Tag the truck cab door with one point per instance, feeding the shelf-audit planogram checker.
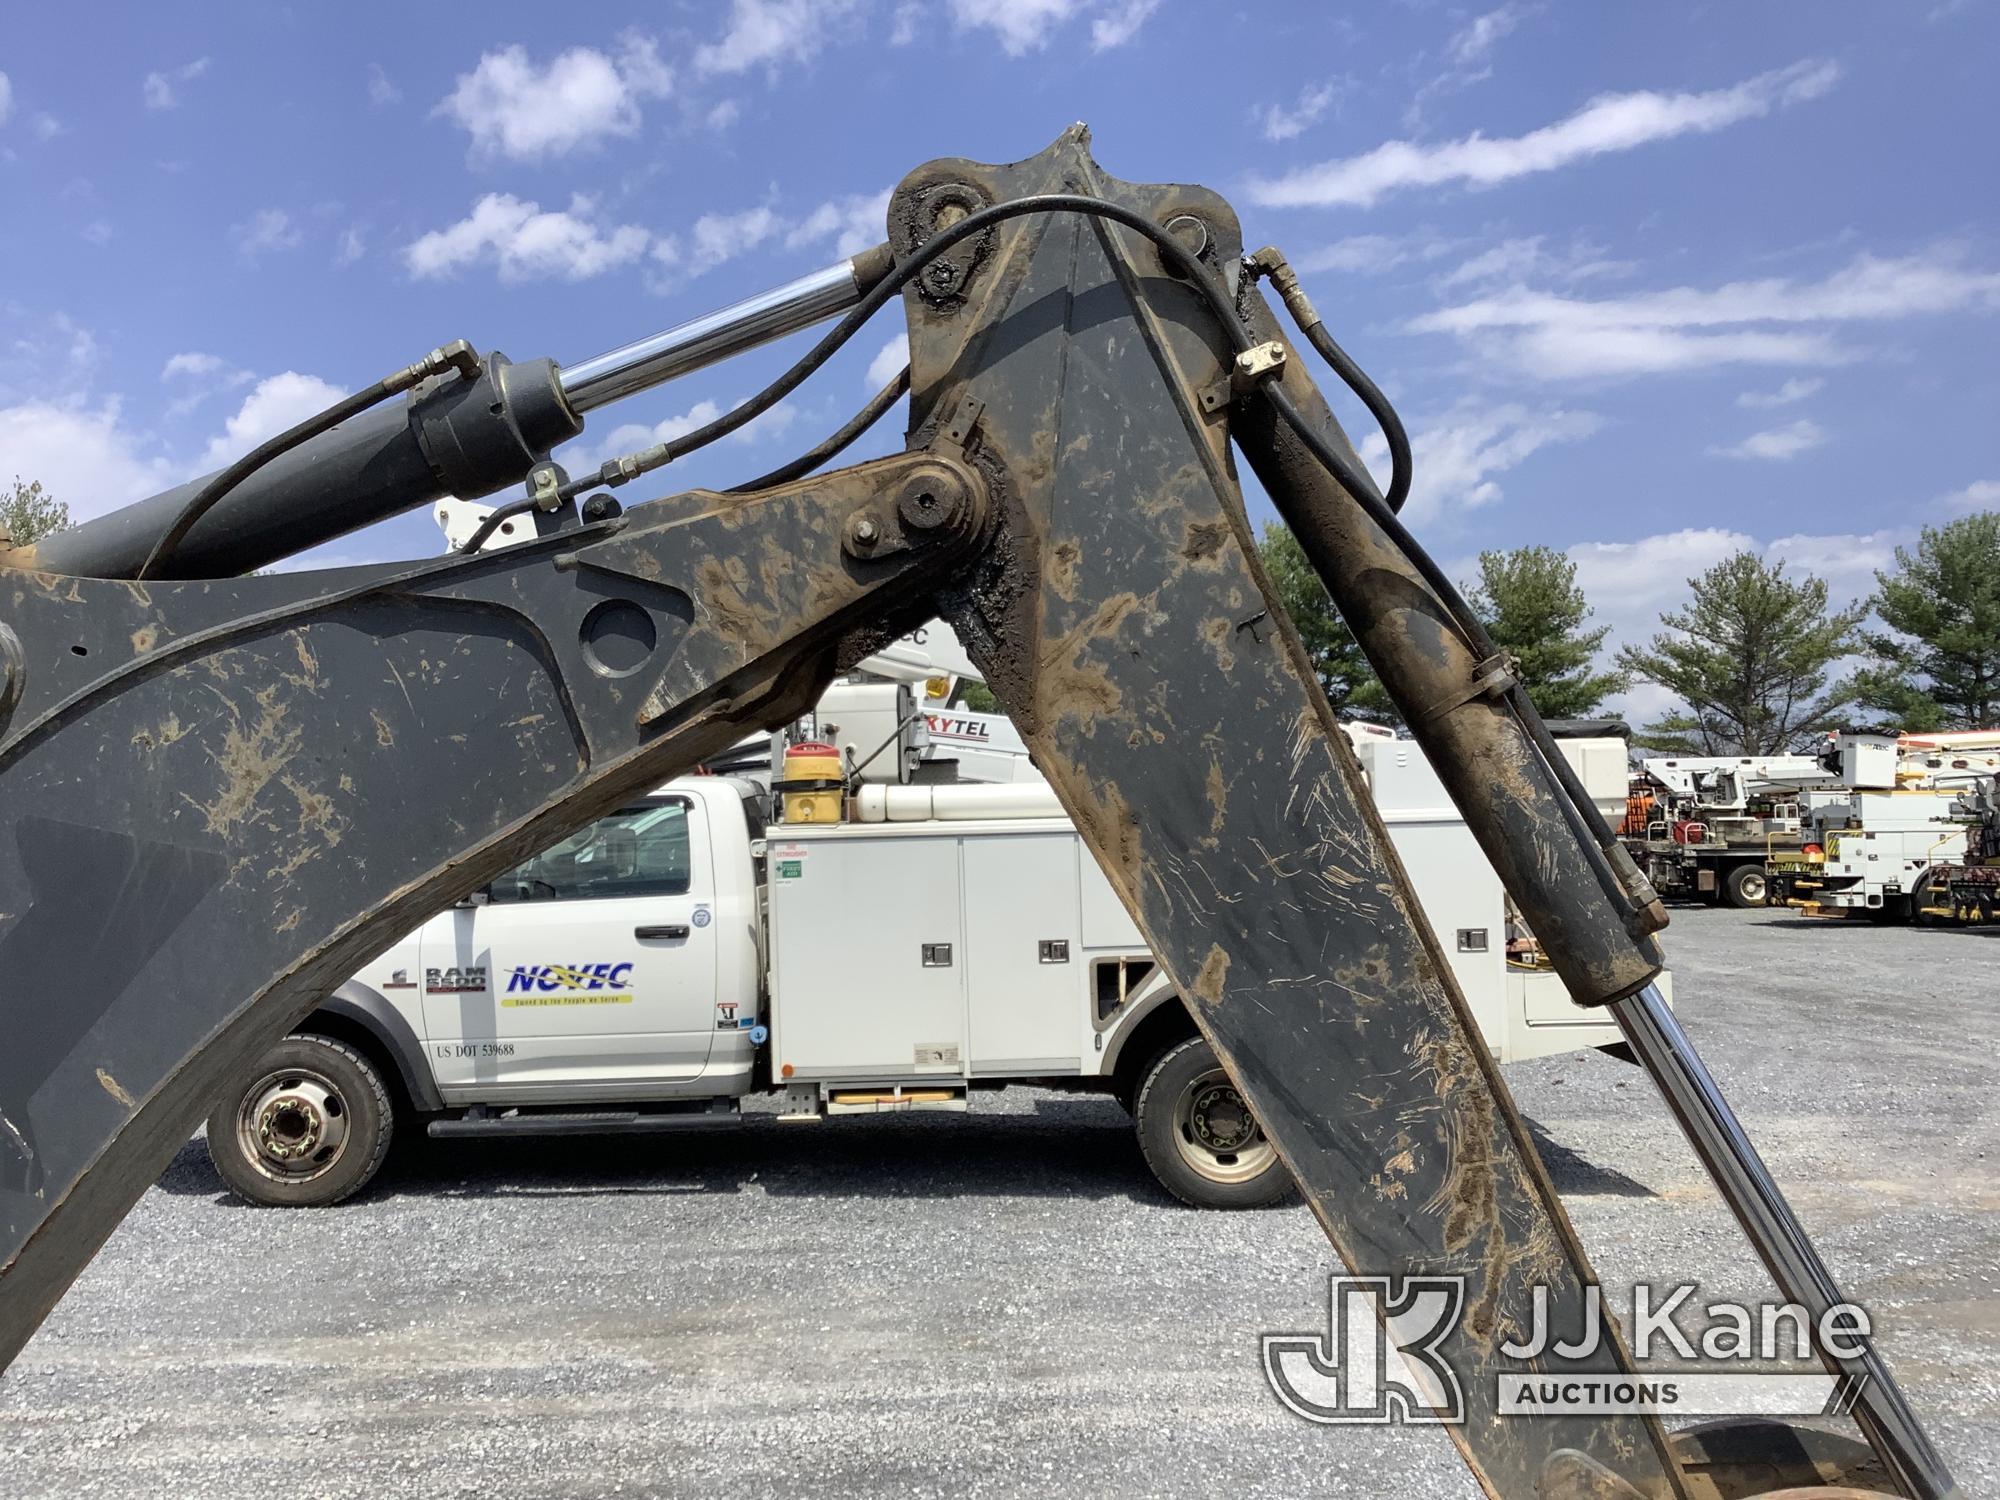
(589, 971)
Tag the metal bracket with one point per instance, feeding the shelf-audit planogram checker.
(1247, 371)
(964, 418)
(1492, 678)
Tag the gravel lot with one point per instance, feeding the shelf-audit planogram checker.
(994, 1304)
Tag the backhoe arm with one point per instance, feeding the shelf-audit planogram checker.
(219, 796)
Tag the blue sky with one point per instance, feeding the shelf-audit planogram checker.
(1649, 283)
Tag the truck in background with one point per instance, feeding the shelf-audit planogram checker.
(1899, 830)
(660, 968)
(1708, 827)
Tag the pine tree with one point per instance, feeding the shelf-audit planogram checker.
(28, 513)
(1529, 601)
(1749, 655)
(1350, 683)
(1938, 666)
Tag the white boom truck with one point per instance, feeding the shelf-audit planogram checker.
(1896, 818)
(1720, 821)
(659, 967)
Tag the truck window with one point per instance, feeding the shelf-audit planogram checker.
(639, 851)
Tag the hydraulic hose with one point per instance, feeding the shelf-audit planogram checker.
(457, 355)
(1270, 261)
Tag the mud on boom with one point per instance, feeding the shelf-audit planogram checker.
(221, 793)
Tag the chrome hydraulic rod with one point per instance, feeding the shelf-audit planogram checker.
(1774, 1231)
(701, 341)
(467, 437)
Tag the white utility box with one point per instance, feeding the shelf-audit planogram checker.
(936, 949)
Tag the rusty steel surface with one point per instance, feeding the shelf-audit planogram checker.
(1481, 752)
(1128, 631)
(217, 798)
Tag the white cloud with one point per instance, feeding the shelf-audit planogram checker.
(352, 247)
(1467, 58)
(1455, 458)
(274, 404)
(853, 223)
(98, 231)
(81, 453)
(1510, 260)
(1022, 26)
(717, 238)
(1795, 389)
(197, 376)
(1552, 336)
(1472, 42)
(194, 363)
(1120, 23)
(162, 90)
(1371, 253)
(724, 115)
(525, 243)
(1776, 444)
(1630, 584)
(1847, 562)
(1611, 122)
(264, 232)
(1282, 122)
(1981, 494)
(888, 360)
(511, 107)
(1634, 581)
(6, 98)
(381, 92)
(764, 33)
(46, 127)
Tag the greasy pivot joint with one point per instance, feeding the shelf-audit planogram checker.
(937, 498)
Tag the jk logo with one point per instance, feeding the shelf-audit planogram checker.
(1378, 1361)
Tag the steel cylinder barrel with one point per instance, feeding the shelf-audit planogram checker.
(448, 437)
(1509, 796)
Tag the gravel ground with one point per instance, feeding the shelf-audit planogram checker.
(993, 1304)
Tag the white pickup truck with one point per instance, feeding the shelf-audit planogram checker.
(653, 970)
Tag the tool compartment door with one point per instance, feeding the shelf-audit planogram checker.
(1025, 989)
(868, 961)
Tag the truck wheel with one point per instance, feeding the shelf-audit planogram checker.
(310, 1128)
(1199, 1136)
(1745, 886)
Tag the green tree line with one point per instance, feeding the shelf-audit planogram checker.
(1753, 655)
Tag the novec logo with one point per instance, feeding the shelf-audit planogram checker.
(568, 984)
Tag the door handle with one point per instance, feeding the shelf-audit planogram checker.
(669, 930)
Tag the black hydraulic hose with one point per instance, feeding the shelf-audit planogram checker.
(1581, 813)
(1270, 261)
(456, 355)
(1172, 251)
(855, 425)
(1378, 406)
(494, 520)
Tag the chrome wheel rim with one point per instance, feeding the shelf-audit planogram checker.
(1215, 1132)
(292, 1125)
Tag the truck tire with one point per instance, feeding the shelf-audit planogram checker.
(1199, 1136)
(309, 1127)
(1745, 886)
